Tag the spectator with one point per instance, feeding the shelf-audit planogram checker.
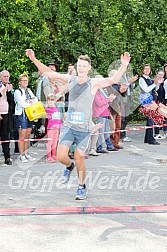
(165, 101)
(71, 71)
(43, 88)
(160, 99)
(165, 71)
(101, 115)
(23, 98)
(70, 68)
(52, 65)
(126, 105)
(41, 84)
(6, 110)
(115, 108)
(147, 85)
(94, 138)
(53, 128)
(15, 134)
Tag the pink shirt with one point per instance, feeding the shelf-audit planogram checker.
(100, 105)
(54, 118)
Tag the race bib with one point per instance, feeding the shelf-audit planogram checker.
(56, 115)
(76, 117)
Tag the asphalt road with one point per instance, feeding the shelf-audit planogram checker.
(38, 213)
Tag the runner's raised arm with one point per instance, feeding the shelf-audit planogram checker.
(63, 78)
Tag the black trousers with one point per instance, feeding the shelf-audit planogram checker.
(125, 115)
(4, 134)
(149, 135)
(124, 122)
(15, 132)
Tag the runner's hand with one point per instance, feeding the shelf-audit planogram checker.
(125, 58)
(30, 53)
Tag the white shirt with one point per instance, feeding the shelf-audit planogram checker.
(20, 100)
(143, 85)
(130, 86)
(43, 82)
(165, 87)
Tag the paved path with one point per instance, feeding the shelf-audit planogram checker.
(135, 176)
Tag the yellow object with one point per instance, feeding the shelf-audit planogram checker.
(35, 111)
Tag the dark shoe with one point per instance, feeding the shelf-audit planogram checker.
(114, 149)
(102, 151)
(8, 161)
(155, 143)
(119, 147)
(71, 155)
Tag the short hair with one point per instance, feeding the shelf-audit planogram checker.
(22, 76)
(69, 65)
(50, 97)
(51, 63)
(85, 57)
(4, 71)
(145, 65)
(112, 72)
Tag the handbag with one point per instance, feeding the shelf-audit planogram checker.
(35, 111)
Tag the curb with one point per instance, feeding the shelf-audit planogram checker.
(82, 210)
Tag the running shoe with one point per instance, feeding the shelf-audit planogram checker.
(54, 157)
(50, 160)
(29, 157)
(93, 153)
(67, 173)
(159, 137)
(23, 159)
(126, 139)
(81, 193)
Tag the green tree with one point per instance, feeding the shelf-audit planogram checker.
(21, 27)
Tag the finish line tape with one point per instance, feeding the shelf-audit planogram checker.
(108, 132)
(82, 210)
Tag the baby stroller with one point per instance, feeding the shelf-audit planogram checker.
(38, 132)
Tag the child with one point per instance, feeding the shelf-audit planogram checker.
(53, 128)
